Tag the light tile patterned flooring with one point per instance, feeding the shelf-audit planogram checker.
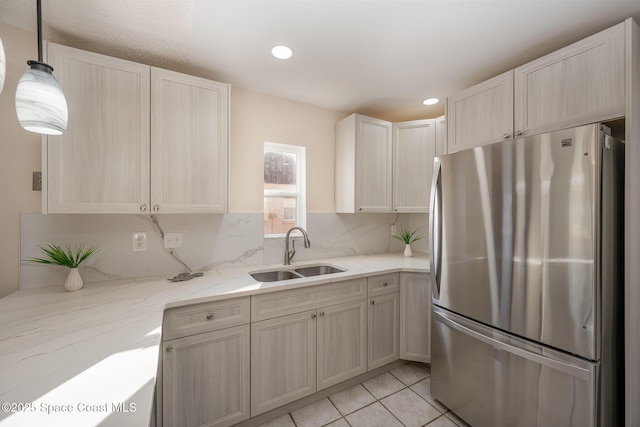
(400, 397)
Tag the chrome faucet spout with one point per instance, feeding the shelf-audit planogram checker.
(288, 254)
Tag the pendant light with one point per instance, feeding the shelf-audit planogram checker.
(40, 103)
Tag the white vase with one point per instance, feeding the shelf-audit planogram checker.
(408, 251)
(74, 280)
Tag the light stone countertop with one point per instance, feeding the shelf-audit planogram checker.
(90, 357)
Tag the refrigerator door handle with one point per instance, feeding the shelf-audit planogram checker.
(435, 228)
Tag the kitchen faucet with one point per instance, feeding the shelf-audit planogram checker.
(288, 254)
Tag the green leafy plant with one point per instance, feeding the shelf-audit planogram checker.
(407, 236)
(66, 257)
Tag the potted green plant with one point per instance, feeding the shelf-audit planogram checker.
(408, 237)
(67, 257)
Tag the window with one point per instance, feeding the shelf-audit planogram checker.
(284, 188)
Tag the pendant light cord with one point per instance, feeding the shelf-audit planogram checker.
(39, 13)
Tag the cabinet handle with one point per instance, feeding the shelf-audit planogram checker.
(359, 209)
(156, 208)
(384, 284)
(372, 302)
(209, 316)
(170, 348)
(506, 136)
(519, 133)
(143, 208)
(321, 313)
(313, 316)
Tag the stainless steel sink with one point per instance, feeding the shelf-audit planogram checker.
(316, 270)
(298, 273)
(275, 276)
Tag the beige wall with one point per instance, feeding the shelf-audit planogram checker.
(19, 156)
(257, 118)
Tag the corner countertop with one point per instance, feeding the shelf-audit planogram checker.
(90, 357)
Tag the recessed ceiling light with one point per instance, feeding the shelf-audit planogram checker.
(281, 52)
(431, 101)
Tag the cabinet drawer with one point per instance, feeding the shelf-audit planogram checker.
(383, 284)
(275, 304)
(205, 317)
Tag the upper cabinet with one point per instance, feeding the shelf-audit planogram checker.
(414, 147)
(481, 115)
(139, 140)
(189, 120)
(383, 166)
(441, 136)
(579, 84)
(363, 181)
(101, 163)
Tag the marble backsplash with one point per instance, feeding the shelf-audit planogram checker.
(209, 242)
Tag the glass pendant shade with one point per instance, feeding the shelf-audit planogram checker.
(3, 66)
(40, 103)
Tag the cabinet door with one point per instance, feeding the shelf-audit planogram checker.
(373, 165)
(101, 164)
(579, 84)
(415, 317)
(342, 342)
(283, 360)
(383, 330)
(189, 143)
(480, 115)
(206, 379)
(414, 146)
(441, 136)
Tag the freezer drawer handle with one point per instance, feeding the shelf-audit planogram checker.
(574, 371)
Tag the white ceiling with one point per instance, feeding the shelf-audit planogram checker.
(380, 58)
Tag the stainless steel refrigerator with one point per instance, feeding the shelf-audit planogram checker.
(526, 242)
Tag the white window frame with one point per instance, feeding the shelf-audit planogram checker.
(301, 183)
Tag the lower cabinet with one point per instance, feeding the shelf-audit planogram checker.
(383, 334)
(206, 378)
(219, 369)
(342, 342)
(296, 355)
(415, 317)
(283, 360)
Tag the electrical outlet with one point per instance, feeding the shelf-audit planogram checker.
(172, 240)
(139, 241)
(393, 230)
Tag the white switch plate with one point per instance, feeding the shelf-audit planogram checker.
(172, 240)
(139, 241)
(393, 230)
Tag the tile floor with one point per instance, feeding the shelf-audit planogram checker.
(400, 397)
